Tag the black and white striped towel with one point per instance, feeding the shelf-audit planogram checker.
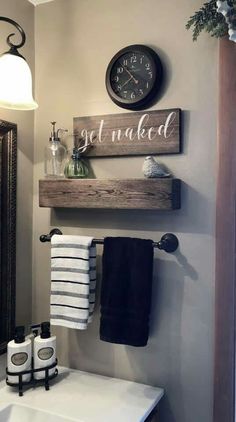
(73, 281)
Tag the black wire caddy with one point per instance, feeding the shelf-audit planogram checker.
(20, 384)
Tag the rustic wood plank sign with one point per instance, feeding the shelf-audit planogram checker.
(136, 133)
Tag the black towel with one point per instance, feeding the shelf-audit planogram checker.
(126, 290)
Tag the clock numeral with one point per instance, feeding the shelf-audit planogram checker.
(150, 74)
(125, 62)
(125, 94)
(140, 92)
(141, 60)
(116, 79)
(132, 96)
(133, 59)
(119, 87)
(147, 65)
(147, 84)
(120, 69)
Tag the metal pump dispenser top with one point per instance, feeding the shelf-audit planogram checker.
(45, 329)
(55, 133)
(53, 137)
(19, 336)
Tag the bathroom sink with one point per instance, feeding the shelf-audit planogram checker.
(19, 413)
(77, 396)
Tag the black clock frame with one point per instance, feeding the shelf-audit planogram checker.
(157, 78)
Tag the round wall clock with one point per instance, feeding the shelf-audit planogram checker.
(134, 77)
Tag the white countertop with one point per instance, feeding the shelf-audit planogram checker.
(88, 397)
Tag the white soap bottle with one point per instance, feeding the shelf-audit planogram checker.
(44, 351)
(19, 356)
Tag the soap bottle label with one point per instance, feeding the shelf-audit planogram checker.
(19, 359)
(45, 353)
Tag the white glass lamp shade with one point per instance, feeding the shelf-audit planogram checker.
(15, 83)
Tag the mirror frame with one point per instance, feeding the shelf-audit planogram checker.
(8, 163)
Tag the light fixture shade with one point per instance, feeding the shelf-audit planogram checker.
(15, 83)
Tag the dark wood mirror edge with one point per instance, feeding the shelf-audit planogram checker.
(8, 159)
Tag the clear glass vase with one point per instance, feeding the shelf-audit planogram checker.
(54, 161)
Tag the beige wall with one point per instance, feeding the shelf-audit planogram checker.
(23, 13)
(74, 42)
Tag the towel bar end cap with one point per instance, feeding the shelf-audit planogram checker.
(169, 243)
(47, 237)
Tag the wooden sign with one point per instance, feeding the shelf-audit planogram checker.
(136, 133)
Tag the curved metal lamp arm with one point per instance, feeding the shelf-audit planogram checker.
(20, 29)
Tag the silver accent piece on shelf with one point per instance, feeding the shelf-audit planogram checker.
(151, 168)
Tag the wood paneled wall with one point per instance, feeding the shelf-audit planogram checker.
(224, 388)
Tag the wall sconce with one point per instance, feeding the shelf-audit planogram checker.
(15, 75)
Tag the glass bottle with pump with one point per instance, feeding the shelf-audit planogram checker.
(55, 155)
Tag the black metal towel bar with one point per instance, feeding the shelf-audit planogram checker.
(169, 242)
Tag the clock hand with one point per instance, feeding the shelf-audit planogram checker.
(126, 82)
(130, 74)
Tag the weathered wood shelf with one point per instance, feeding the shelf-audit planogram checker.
(158, 194)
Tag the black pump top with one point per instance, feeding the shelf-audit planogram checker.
(45, 330)
(19, 336)
(75, 154)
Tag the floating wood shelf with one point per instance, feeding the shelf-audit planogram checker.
(159, 194)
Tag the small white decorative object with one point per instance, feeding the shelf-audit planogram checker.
(151, 168)
(225, 9)
(232, 35)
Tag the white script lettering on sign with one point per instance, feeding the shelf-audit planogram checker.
(131, 133)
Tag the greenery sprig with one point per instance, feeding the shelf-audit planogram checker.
(209, 20)
(81, 144)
